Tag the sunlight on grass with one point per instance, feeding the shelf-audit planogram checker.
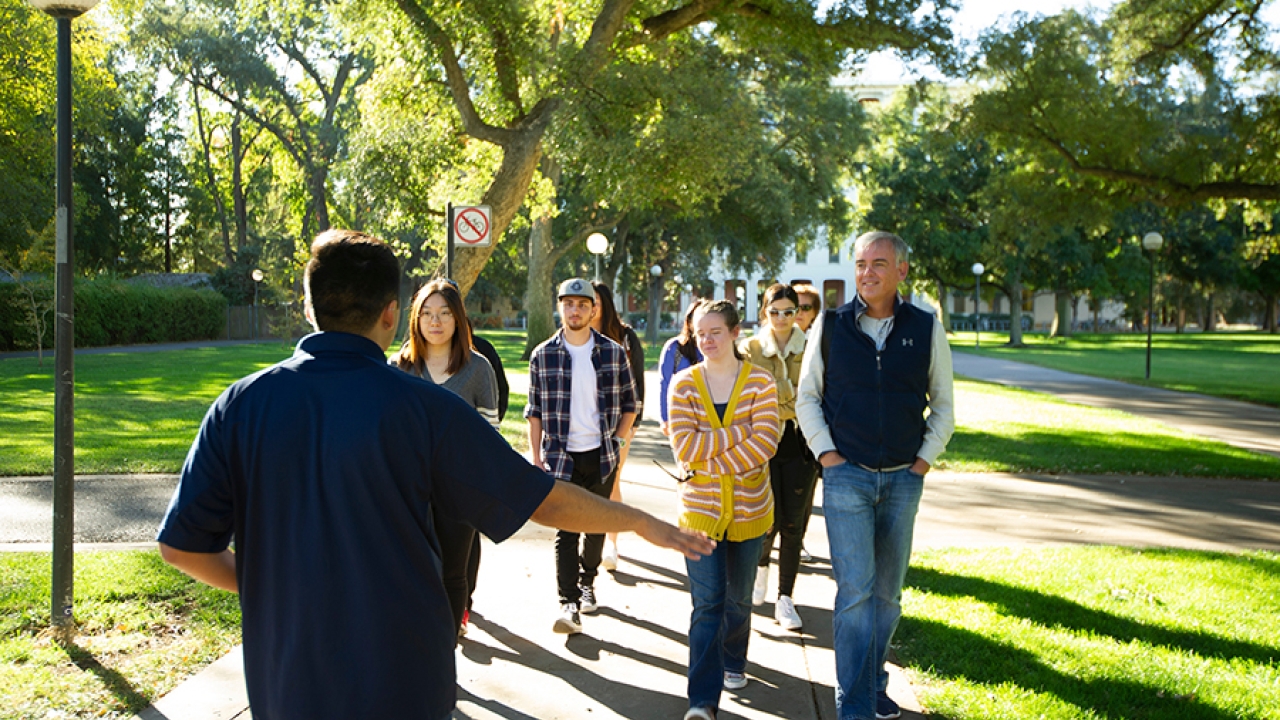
(1093, 632)
(143, 628)
(1000, 429)
(138, 412)
(1232, 365)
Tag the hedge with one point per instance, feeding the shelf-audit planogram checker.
(110, 312)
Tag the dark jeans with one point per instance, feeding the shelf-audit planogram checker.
(720, 625)
(792, 476)
(456, 540)
(586, 475)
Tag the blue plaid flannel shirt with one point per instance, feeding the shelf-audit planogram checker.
(550, 380)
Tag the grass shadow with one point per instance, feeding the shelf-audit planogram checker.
(1055, 612)
(958, 654)
(114, 682)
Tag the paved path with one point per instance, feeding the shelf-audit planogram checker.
(1255, 427)
(630, 662)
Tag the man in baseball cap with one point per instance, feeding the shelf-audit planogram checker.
(579, 441)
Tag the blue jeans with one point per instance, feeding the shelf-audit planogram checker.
(720, 626)
(870, 519)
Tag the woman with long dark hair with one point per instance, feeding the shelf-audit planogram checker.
(439, 349)
(679, 353)
(607, 322)
(778, 347)
(724, 428)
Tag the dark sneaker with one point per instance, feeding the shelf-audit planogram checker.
(588, 602)
(568, 623)
(886, 708)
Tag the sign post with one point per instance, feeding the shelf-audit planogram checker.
(468, 226)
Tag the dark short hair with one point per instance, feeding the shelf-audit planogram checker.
(778, 291)
(350, 278)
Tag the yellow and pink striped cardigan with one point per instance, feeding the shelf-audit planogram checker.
(728, 495)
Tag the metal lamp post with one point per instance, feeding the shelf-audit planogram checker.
(597, 243)
(257, 280)
(1152, 242)
(62, 599)
(978, 269)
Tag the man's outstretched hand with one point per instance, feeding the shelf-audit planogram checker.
(693, 544)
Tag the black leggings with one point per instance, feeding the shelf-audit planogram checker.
(456, 541)
(792, 476)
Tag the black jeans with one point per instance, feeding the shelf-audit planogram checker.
(792, 476)
(456, 541)
(575, 568)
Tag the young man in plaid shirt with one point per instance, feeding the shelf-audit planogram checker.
(582, 403)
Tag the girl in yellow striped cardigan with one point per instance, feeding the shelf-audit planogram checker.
(724, 423)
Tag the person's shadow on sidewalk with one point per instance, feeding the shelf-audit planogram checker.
(625, 699)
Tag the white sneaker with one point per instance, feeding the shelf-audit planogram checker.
(699, 713)
(734, 680)
(609, 560)
(762, 585)
(784, 611)
(587, 604)
(568, 623)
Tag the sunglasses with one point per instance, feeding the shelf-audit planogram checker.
(774, 312)
(806, 308)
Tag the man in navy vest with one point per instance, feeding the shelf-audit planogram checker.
(864, 391)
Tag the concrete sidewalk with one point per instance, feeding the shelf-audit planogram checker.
(629, 662)
(1245, 425)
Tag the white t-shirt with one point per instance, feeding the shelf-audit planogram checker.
(584, 407)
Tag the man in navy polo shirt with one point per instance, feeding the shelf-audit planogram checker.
(324, 468)
(873, 369)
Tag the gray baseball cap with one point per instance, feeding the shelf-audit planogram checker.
(576, 287)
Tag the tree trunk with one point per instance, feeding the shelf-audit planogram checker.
(1061, 315)
(539, 301)
(238, 205)
(318, 180)
(212, 183)
(655, 309)
(1013, 288)
(507, 192)
(945, 316)
(1211, 313)
(1269, 315)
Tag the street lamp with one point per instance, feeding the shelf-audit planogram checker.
(257, 280)
(597, 243)
(655, 304)
(64, 385)
(978, 269)
(1152, 242)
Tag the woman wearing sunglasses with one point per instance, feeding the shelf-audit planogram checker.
(778, 346)
(724, 428)
(439, 349)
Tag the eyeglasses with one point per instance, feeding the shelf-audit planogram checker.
(775, 312)
(806, 308)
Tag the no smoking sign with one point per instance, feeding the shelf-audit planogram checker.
(471, 225)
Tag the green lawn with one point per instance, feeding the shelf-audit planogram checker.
(1243, 366)
(1011, 430)
(143, 628)
(138, 412)
(1092, 633)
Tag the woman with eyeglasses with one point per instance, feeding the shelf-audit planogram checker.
(724, 428)
(439, 349)
(778, 347)
(607, 322)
